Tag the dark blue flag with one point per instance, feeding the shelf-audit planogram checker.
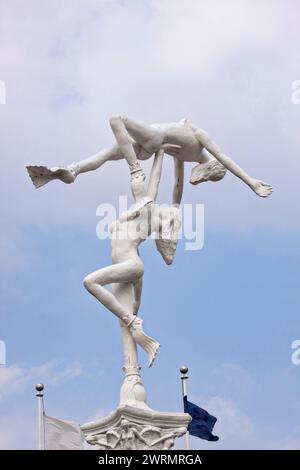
(202, 422)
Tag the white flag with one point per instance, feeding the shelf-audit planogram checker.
(62, 435)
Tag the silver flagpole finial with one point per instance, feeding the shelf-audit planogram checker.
(184, 370)
(40, 388)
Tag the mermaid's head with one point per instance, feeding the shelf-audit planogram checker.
(209, 171)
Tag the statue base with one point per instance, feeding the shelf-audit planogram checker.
(132, 428)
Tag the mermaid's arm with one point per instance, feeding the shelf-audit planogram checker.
(127, 149)
(261, 188)
(178, 183)
(155, 175)
(206, 142)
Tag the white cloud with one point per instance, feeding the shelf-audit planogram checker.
(234, 386)
(289, 442)
(204, 34)
(18, 431)
(14, 379)
(98, 414)
(232, 421)
(12, 255)
(70, 65)
(240, 425)
(234, 427)
(233, 380)
(18, 425)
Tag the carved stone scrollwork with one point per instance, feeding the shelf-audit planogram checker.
(129, 428)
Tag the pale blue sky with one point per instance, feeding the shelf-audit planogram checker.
(230, 311)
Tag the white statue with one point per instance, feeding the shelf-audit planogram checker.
(183, 140)
(133, 424)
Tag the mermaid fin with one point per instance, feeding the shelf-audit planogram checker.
(41, 175)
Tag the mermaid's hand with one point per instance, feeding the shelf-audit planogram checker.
(131, 215)
(261, 188)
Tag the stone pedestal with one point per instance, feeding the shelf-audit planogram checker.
(132, 428)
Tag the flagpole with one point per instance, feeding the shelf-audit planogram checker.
(39, 388)
(184, 370)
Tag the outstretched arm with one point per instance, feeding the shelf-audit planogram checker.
(178, 183)
(155, 175)
(127, 148)
(259, 187)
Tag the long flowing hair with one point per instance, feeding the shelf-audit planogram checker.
(166, 238)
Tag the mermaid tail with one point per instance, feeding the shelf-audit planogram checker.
(150, 345)
(41, 175)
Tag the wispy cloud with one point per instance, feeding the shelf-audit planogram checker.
(14, 379)
(12, 254)
(68, 66)
(18, 431)
(98, 414)
(289, 442)
(232, 422)
(18, 428)
(193, 55)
